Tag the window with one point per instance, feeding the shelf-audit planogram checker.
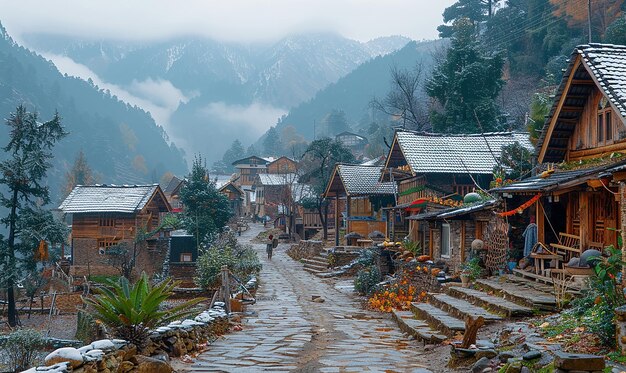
(106, 222)
(445, 240)
(604, 122)
(186, 257)
(104, 245)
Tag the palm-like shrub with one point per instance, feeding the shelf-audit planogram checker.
(132, 310)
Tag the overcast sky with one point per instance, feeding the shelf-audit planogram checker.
(233, 20)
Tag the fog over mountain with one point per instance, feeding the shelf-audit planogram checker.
(206, 93)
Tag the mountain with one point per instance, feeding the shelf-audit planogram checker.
(353, 92)
(282, 74)
(121, 143)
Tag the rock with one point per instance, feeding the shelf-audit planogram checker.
(94, 355)
(125, 366)
(532, 355)
(319, 300)
(104, 345)
(70, 355)
(567, 361)
(485, 344)
(429, 347)
(489, 354)
(480, 365)
(504, 356)
(525, 370)
(151, 365)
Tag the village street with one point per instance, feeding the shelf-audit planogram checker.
(289, 332)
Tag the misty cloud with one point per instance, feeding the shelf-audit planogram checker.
(258, 117)
(235, 20)
(160, 92)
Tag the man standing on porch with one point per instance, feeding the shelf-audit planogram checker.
(530, 237)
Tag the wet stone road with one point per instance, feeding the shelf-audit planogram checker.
(286, 331)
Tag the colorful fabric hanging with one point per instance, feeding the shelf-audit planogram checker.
(522, 207)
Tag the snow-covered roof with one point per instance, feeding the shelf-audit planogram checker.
(593, 65)
(276, 179)
(301, 191)
(108, 198)
(462, 153)
(360, 180)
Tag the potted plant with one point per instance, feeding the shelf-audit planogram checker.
(470, 271)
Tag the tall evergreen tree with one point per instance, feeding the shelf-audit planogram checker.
(28, 159)
(465, 86)
(335, 122)
(476, 11)
(80, 174)
(272, 143)
(206, 210)
(251, 151)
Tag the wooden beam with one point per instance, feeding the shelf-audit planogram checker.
(572, 108)
(545, 145)
(567, 120)
(619, 146)
(541, 237)
(583, 205)
(581, 81)
(337, 212)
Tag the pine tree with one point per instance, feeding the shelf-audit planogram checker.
(207, 210)
(272, 143)
(80, 174)
(28, 159)
(476, 11)
(465, 86)
(233, 153)
(335, 122)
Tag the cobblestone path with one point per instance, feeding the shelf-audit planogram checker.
(289, 332)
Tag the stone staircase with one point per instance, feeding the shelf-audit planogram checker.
(318, 265)
(497, 299)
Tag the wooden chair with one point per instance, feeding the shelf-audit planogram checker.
(568, 246)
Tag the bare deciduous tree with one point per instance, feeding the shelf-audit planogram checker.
(405, 99)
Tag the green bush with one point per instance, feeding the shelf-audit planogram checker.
(21, 348)
(132, 310)
(366, 280)
(241, 260)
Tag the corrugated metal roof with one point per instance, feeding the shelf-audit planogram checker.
(108, 198)
(439, 153)
(364, 180)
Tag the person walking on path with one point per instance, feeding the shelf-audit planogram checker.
(269, 246)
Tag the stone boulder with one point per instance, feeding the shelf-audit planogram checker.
(70, 355)
(147, 364)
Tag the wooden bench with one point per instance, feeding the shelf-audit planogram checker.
(568, 246)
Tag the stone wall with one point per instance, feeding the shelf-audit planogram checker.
(174, 340)
(305, 249)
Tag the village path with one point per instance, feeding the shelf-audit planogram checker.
(286, 331)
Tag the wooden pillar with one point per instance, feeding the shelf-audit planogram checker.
(583, 205)
(622, 217)
(541, 237)
(462, 243)
(348, 201)
(337, 212)
(225, 289)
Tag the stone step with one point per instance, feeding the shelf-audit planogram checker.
(519, 294)
(314, 271)
(417, 328)
(315, 261)
(438, 318)
(539, 286)
(490, 302)
(461, 308)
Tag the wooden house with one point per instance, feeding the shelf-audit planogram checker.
(247, 170)
(282, 165)
(106, 218)
(582, 152)
(273, 195)
(172, 193)
(365, 196)
(439, 169)
(235, 197)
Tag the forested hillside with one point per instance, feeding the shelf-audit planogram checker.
(122, 144)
